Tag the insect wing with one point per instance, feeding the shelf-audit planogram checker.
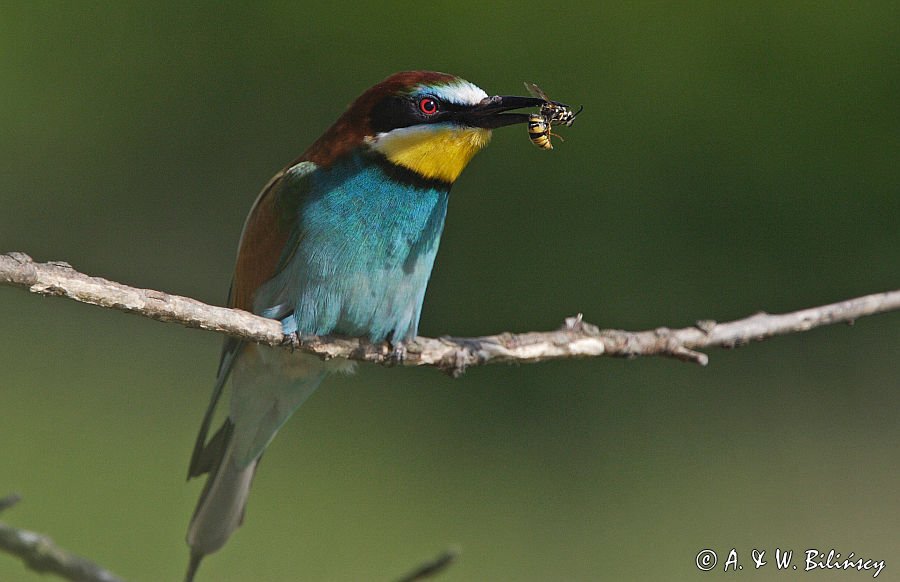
(536, 91)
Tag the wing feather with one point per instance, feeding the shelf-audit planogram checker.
(269, 238)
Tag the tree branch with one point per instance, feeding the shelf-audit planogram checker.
(42, 555)
(576, 339)
(432, 567)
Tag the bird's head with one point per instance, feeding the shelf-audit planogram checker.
(427, 122)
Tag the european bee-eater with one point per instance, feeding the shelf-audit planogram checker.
(342, 241)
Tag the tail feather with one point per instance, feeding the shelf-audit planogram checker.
(193, 566)
(206, 458)
(221, 507)
(267, 387)
(200, 458)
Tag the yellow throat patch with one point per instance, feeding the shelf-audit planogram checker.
(433, 151)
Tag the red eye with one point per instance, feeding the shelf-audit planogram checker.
(428, 106)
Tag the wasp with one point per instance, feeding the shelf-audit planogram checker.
(539, 131)
(552, 113)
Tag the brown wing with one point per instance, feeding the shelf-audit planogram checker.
(266, 231)
(265, 234)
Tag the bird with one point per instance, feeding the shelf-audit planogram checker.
(341, 241)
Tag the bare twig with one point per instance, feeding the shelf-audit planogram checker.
(432, 567)
(41, 554)
(576, 339)
(9, 501)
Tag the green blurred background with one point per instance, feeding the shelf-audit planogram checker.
(731, 157)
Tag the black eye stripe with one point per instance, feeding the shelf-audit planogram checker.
(399, 111)
(447, 106)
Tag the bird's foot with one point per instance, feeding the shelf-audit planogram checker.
(397, 354)
(293, 340)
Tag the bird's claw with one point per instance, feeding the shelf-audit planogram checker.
(397, 354)
(293, 340)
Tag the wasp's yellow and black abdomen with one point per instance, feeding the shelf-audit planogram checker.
(539, 131)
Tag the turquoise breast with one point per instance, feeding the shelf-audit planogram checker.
(360, 258)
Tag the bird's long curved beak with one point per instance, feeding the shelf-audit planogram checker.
(491, 112)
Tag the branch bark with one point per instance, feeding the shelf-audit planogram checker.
(575, 339)
(41, 554)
